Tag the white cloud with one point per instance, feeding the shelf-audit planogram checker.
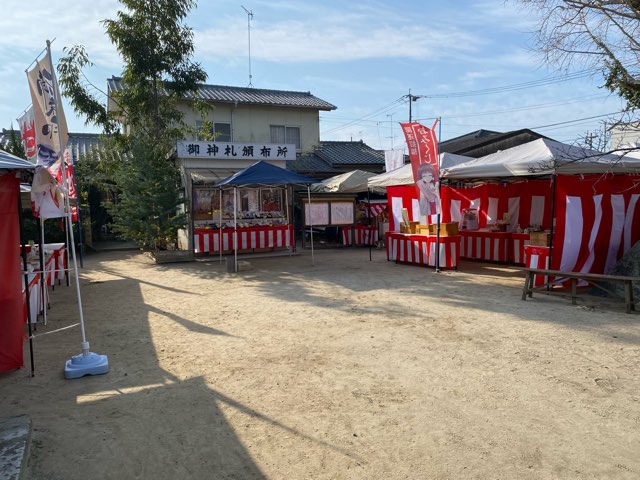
(295, 41)
(69, 22)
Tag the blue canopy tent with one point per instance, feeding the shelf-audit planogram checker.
(262, 174)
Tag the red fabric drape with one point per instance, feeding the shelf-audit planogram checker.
(598, 220)
(11, 303)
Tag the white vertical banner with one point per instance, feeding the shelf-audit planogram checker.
(455, 211)
(396, 212)
(573, 233)
(393, 159)
(537, 210)
(50, 122)
(617, 227)
(492, 211)
(514, 213)
(597, 203)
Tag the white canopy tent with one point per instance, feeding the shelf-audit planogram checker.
(404, 174)
(355, 181)
(541, 157)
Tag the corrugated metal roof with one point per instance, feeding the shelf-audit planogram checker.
(247, 95)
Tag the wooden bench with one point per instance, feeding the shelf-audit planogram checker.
(555, 276)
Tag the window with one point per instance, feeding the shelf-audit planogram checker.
(221, 132)
(284, 134)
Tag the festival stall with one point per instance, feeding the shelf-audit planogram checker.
(359, 227)
(259, 222)
(576, 206)
(402, 195)
(12, 305)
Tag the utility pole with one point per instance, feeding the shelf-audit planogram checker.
(412, 98)
(249, 17)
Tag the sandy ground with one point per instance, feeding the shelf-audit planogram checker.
(348, 369)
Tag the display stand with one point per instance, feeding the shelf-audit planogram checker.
(421, 249)
(537, 257)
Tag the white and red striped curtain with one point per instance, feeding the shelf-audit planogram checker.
(527, 203)
(597, 219)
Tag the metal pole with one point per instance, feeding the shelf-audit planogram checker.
(313, 261)
(79, 220)
(369, 236)
(235, 230)
(85, 343)
(439, 202)
(553, 217)
(220, 227)
(23, 249)
(286, 206)
(43, 286)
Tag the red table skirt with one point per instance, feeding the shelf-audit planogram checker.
(503, 247)
(212, 240)
(537, 257)
(421, 249)
(487, 246)
(518, 243)
(364, 235)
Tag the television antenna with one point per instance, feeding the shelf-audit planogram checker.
(249, 18)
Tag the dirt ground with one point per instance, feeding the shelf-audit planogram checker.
(349, 369)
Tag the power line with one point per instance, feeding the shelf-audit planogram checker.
(380, 111)
(514, 87)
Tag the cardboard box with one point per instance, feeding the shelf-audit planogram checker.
(540, 239)
(446, 229)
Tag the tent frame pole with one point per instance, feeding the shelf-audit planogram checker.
(23, 251)
(313, 260)
(220, 229)
(286, 203)
(553, 220)
(370, 235)
(235, 229)
(439, 200)
(43, 286)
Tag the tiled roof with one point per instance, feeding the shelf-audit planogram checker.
(80, 143)
(485, 142)
(349, 153)
(312, 165)
(331, 158)
(247, 95)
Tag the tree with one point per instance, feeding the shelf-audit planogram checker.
(600, 34)
(14, 145)
(156, 49)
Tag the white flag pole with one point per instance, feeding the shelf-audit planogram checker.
(87, 363)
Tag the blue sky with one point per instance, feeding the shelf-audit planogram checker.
(362, 57)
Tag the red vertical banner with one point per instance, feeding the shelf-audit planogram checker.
(423, 153)
(11, 300)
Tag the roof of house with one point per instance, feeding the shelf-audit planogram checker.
(333, 157)
(79, 143)
(485, 142)
(248, 96)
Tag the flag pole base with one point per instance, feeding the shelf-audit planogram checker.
(86, 364)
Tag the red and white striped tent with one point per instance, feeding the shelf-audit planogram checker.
(594, 206)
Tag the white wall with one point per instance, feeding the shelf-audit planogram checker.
(251, 123)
